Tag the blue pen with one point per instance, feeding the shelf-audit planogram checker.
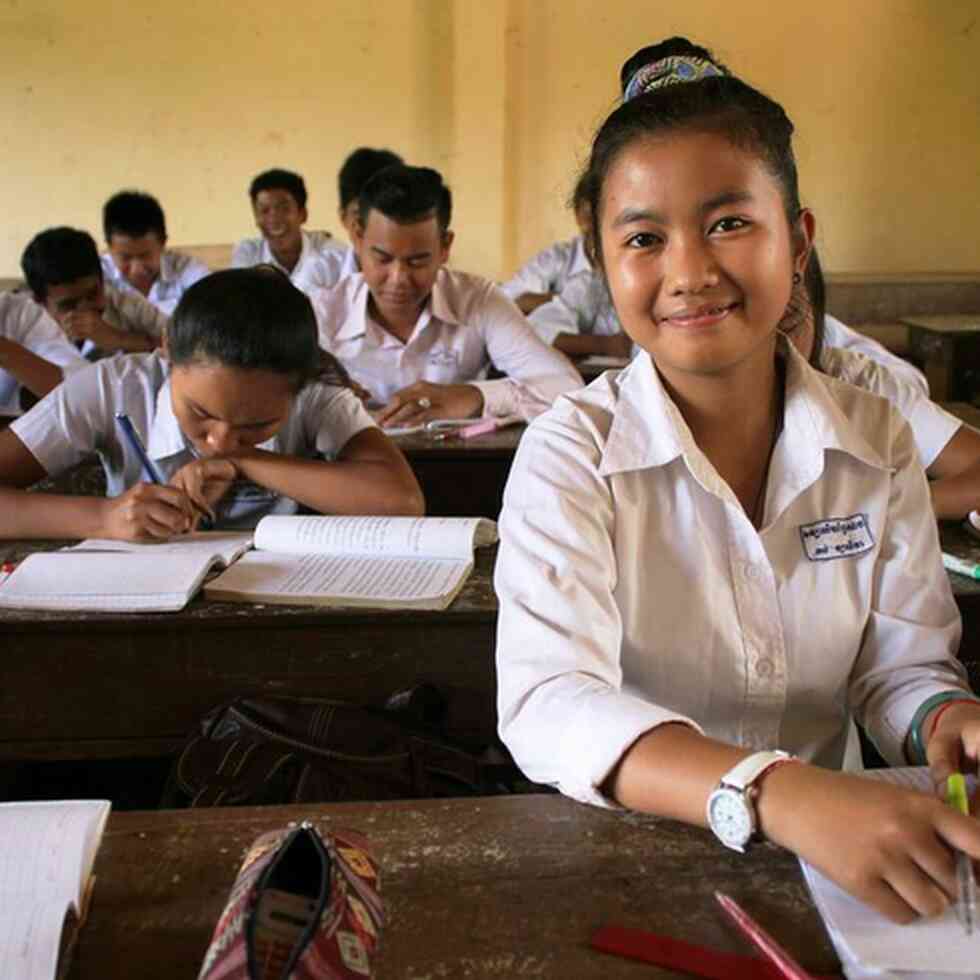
(132, 437)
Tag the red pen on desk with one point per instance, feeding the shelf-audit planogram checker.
(761, 939)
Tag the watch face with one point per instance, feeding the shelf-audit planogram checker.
(730, 817)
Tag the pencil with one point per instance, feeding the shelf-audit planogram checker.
(761, 939)
(966, 898)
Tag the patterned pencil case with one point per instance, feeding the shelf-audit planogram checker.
(305, 906)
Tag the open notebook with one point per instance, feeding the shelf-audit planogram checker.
(46, 855)
(385, 562)
(120, 576)
(870, 946)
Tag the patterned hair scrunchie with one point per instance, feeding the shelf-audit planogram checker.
(670, 71)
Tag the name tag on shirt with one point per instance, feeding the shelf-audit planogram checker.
(837, 537)
(443, 358)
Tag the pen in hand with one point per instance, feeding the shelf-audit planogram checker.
(966, 899)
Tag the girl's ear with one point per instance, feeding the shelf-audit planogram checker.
(804, 232)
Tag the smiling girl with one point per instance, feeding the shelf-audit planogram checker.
(236, 418)
(714, 559)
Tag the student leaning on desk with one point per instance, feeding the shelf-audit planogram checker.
(418, 337)
(719, 552)
(231, 415)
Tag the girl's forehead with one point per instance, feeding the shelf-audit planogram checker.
(681, 165)
(210, 379)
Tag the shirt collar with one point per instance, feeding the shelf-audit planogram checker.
(269, 258)
(439, 306)
(165, 438)
(648, 429)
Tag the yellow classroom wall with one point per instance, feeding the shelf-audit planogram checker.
(189, 100)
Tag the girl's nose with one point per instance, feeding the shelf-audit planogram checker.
(690, 266)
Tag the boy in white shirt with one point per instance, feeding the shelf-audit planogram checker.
(34, 353)
(138, 260)
(311, 259)
(420, 337)
(64, 274)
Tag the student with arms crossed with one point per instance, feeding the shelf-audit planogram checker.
(310, 258)
(235, 414)
(138, 259)
(64, 275)
(948, 450)
(34, 352)
(719, 552)
(419, 337)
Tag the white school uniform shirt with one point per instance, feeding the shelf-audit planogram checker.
(466, 325)
(635, 591)
(837, 334)
(319, 265)
(550, 269)
(582, 307)
(78, 418)
(178, 272)
(932, 426)
(26, 323)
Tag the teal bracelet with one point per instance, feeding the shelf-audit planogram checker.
(917, 753)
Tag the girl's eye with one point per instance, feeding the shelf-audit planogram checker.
(643, 239)
(730, 224)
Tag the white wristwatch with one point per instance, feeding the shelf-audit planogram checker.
(731, 806)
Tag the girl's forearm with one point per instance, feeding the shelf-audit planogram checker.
(47, 515)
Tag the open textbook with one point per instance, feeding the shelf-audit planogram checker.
(871, 946)
(386, 562)
(121, 576)
(46, 855)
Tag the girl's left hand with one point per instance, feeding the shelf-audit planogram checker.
(205, 482)
(424, 401)
(952, 745)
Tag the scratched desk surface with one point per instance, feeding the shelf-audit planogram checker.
(504, 887)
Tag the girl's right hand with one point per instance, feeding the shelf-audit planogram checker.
(147, 511)
(889, 846)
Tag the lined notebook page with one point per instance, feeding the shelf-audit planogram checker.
(46, 856)
(869, 945)
(341, 579)
(224, 546)
(104, 581)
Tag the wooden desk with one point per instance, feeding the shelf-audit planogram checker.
(949, 349)
(462, 477)
(502, 887)
(965, 412)
(106, 685)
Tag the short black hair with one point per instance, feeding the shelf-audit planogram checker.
(254, 319)
(56, 256)
(359, 167)
(133, 213)
(406, 195)
(279, 180)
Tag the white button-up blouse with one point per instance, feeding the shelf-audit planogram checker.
(634, 589)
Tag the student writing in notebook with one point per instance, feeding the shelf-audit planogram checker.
(64, 275)
(948, 450)
(310, 258)
(420, 337)
(719, 552)
(236, 416)
(139, 260)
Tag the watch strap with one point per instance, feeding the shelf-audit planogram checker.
(752, 767)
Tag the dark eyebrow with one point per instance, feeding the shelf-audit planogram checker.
(258, 423)
(408, 258)
(631, 215)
